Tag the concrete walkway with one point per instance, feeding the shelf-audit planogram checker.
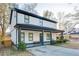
(53, 51)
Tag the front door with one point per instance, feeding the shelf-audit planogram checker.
(41, 39)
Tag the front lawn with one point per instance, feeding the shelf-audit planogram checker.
(13, 52)
(72, 45)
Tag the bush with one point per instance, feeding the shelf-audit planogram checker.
(65, 40)
(57, 38)
(60, 40)
(22, 46)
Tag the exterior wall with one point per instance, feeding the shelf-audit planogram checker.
(12, 29)
(13, 22)
(74, 36)
(13, 36)
(54, 36)
(20, 18)
(49, 24)
(36, 36)
(36, 21)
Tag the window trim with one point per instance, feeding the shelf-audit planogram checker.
(23, 36)
(48, 37)
(26, 19)
(29, 36)
(41, 22)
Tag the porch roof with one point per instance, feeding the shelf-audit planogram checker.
(36, 28)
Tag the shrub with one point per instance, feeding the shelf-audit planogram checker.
(22, 46)
(65, 40)
(57, 38)
(60, 40)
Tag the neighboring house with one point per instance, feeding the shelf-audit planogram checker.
(31, 28)
(74, 34)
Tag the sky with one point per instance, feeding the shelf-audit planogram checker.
(57, 7)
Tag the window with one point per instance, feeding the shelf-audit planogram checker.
(26, 19)
(48, 36)
(30, 36)
(41, 22)
(22, 36)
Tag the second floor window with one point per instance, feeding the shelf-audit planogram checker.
(41, 22)
(26, 19)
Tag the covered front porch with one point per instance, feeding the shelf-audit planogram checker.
(41, 36)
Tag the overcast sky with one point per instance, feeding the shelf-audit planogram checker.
(57, 7)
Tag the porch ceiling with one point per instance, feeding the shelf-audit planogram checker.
(36, 28)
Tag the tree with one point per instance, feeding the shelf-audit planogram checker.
(48, 14)
(3, 18)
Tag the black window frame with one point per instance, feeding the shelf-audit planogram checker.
(26, 18)
(41, 22)
(48, 36)
(30, 36)
(23, 36)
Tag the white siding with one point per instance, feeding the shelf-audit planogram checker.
(13, 36)
(13, 21)
(13, 30)
(49, 24)
(36, 21)
(36, 36)
(20, 18)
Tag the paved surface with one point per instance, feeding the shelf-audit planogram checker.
(53, 51)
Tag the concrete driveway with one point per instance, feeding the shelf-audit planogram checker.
(53, 51)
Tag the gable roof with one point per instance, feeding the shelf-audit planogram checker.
(30, 14)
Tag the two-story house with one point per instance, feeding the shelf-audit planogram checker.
(31, 28)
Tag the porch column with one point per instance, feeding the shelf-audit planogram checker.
(62, 35)
(51, 41)
(42, 40)
(19, 34)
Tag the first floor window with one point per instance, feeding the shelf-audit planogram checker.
(48, 36)
(30, 36)
(22, 36)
